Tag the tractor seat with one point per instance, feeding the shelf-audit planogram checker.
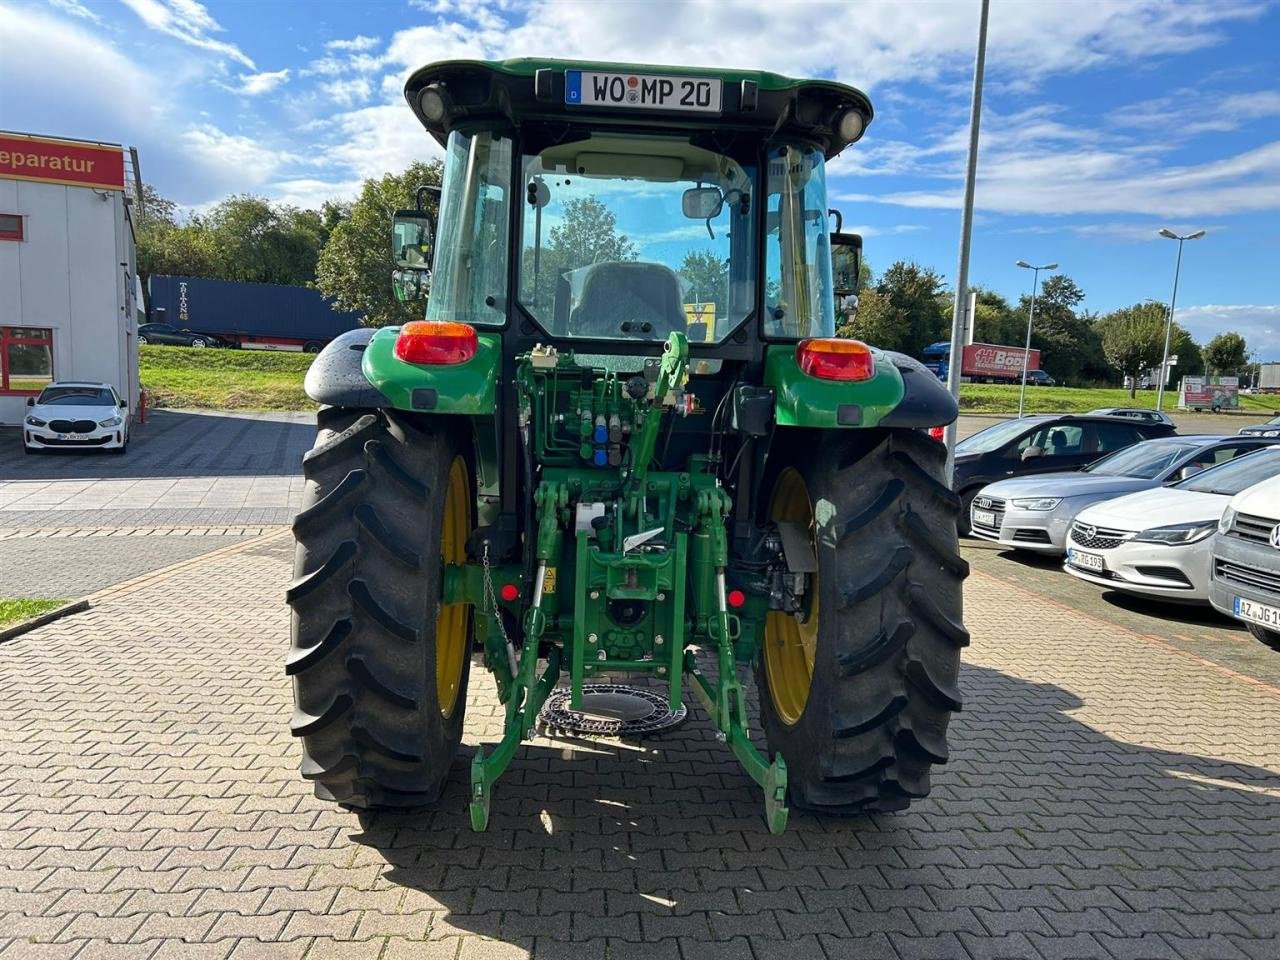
(628, 298)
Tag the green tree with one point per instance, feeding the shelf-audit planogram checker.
(1190, 357)
(906, 310)
(707, 276)
(1132, 339)
(354, 268)
(996, 321)
(1226, 354)
(587, 233)
(260, 242)
(1070, 348)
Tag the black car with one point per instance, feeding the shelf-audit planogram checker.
(1268, 428)
(1041, 444)
(170, 335)
(1038, 378)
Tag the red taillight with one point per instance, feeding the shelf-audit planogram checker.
(736, 598)
(938, 433)
(434, 342)
(509, 592)
(829, 359)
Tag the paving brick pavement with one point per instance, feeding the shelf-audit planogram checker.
(1106, 797)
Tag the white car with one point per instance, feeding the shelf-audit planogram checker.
(76, 415)
(1245, 580)
(1157, 543)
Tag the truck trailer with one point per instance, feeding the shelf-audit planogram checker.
(981, 362)
(250, 316)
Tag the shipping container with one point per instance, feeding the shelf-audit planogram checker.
(252, 316)
(1269, 378)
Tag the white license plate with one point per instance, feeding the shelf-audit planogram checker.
(984, 517)
(644, 91)
(73, 436)
(1086, 561)
(1262, 613)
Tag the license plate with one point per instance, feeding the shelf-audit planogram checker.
(73, 436)
(984, 517)
(643, 91)
(1262, 613)
(1086, 561)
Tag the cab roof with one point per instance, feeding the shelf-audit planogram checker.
(524, 92)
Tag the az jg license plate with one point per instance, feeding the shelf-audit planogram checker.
(984, 517)
(1262, 613)
(644, 91)
(1086, 561)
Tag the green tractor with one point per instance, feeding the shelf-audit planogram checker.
(625, 440)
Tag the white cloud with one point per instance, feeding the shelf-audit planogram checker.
(1258, 324)
(348, 91)
(1188, 112)
(311, 192)
(256, 84)
(230, 162)
(356, 44)
(188, 22)
(76, 9)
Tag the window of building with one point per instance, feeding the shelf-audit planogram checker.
(10, 226)
(26, 359)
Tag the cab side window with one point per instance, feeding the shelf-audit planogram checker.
(1053, 440)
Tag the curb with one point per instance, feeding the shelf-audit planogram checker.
(18, 629)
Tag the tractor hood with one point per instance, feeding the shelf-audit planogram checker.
(496, 94)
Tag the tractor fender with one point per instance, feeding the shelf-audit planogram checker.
(926, 402)
(335, 378)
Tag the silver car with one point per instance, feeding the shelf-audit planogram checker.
(1034, 513)
(1135, 413)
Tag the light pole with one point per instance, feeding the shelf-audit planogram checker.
(1026, 350)
(1168, 327)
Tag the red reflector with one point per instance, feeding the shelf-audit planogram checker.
(509, 592)
(433, 342)
(737, 598)
(836, 359)
(938, 433)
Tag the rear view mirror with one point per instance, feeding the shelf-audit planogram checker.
(846, 264)
(412, 232)
(702, 203)
(1189, 471)
(411, 285)
(31, 401)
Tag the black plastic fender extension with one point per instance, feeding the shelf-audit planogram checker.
(926, 403)
(335, 378)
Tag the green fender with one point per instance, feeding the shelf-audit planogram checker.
(465, 388)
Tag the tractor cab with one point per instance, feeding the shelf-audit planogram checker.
(595, 202)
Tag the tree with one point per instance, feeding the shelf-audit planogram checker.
(707, 276)
(1226, 354)
(1133, 339)
(354, 268)
(259, 242)
(587, 233)
(1070, 348)
(996, 321)
(906, 310)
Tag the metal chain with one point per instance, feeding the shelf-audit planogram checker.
(491, 599)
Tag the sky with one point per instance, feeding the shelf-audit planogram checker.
(1103, 120)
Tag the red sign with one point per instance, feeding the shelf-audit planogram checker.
(993, 360)
(61, 161)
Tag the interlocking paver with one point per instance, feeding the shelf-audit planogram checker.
(1106, 798)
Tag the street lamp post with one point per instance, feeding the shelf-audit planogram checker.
(1168, 326)
(1031, 316)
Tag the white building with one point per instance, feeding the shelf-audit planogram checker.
(68, 287)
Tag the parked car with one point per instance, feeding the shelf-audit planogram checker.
(170, 335)
(1033, 513)
(1268, 428)
(1046, 443)
(1244, 580)
(1134, 413)
(1038, 378)
(1158, 542)
(76, 415)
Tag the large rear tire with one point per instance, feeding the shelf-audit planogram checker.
(379, 666)
(857, 692)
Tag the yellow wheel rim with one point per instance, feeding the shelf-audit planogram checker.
(453, 619)
(790, 641)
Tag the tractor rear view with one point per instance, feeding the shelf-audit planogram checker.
(624, 440)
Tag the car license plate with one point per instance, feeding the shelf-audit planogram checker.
(1086, 561)
(984, 517)
(645, 91)
(1262, 613)
(73, 436)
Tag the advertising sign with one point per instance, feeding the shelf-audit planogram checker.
(993, 360)
(45, 160)
(1211, 393)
